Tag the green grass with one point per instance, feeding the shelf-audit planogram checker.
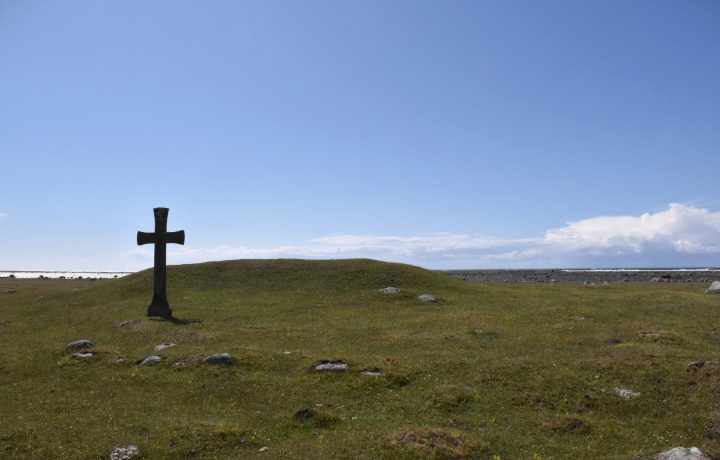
(516, 371)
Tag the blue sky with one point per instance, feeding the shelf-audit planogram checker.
(445, 134)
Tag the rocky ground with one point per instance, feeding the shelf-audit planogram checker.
(581, 276)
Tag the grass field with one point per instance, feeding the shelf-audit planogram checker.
(520, 371)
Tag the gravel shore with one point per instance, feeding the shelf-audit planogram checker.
(581, 276)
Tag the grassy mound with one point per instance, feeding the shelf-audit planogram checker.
(490, 371)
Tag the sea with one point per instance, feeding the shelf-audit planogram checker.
(572, 270)
(62, 275)
(477, 275)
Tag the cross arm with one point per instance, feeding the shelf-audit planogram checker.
(176, 237)
(145, 238)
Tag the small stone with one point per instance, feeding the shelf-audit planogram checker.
(331, 366)
(125, 452)
(164, 346)
(428, 298)
(681, 453)
(714, 288)
(588, 283)
(125, 323)
(612, 340)
(120, 359)
(80, 344)
(626, 394)
(8, 291)
(264, 449)
(180, 364)
(389, 290)
(699, 364)
(39, 299)
(374, 372)
(84, 355)
(152, 359)
(220, 358)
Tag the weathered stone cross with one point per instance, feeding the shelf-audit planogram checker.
(159, 305)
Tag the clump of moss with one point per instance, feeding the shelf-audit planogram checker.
(567, 424)
(315, 417)
(397, 381)
(232, 437)
(451, 398)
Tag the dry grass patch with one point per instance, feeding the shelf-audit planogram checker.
(435, 443)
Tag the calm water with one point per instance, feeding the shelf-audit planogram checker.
(640, 270)
(106, 275)
(68, 275)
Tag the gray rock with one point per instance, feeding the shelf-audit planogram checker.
(8, 291)
(588, 283)
(127, 322)
(164, 346)
(374, 372)
(699, 364)
(152, 359)
(264, 449)
(220, 358)
(81, 344)
(84, 355)
(389, 290)
(714, 288)
(120, 359)
(428, 298)
(626, 394)
(681, 453)
(125, 452)
(331, 366)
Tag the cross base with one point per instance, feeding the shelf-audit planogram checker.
(161, 309)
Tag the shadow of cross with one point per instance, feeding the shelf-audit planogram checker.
(159, 305)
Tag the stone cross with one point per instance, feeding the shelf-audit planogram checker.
(159, 305)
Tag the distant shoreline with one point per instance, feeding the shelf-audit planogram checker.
(27, 274)
(593, 275)
(563, 275)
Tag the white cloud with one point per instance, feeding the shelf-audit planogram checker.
(686, 229)
(2, 214)
(679, 230)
